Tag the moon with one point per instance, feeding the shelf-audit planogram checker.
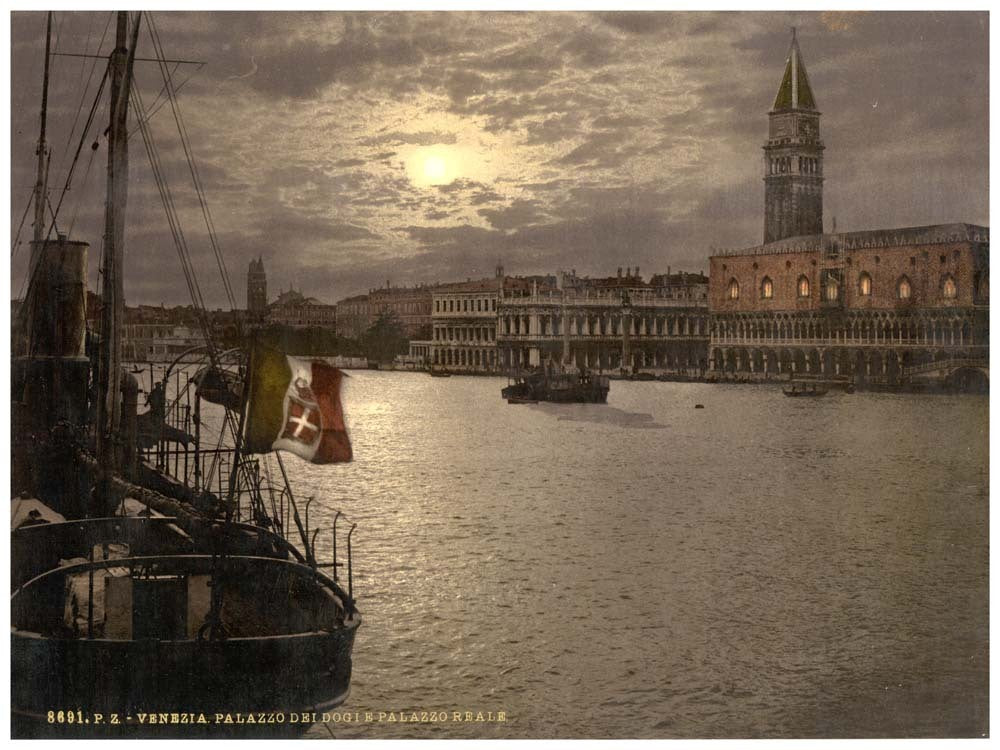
(435, 169)
(434, 165)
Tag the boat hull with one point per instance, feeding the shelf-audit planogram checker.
(288, 680)
(521, 393)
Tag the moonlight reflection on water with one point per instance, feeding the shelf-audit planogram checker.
(762, 567)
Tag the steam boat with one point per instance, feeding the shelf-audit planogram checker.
(152, 575)
(582, 387)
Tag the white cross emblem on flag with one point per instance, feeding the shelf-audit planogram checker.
(303, 423)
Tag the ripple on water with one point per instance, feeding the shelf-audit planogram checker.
(758, 568)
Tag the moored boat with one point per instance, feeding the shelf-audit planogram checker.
(138, 587)
(582, 387)
(803, 390)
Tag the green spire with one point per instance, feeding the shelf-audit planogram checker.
(795, 91)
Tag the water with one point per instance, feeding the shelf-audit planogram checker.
(764, 567)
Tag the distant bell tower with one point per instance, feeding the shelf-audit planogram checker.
(257, 287)
(793, 157)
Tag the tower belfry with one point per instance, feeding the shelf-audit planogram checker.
(257, 287)
(793, 156)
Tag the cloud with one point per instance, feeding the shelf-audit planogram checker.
(398, 138)
(520, 213)
(587, 140)
(638, 22)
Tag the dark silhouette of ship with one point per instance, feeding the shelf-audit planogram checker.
(136, 592)
(582, 387)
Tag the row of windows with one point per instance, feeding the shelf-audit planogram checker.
(807, 165)
(465, 305)
(403, 308)
(464, 334)
(831, 292)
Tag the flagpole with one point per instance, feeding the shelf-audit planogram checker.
(247, 400)
(239, 437)
(310, 557)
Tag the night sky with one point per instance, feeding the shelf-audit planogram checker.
(351, 149)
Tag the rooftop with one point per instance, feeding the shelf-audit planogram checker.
(934, 234)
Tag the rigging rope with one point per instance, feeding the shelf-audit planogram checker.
(192, 164)
(86, 88)
(17, 237)
(79, 147)
(83, 188)
(180, 242)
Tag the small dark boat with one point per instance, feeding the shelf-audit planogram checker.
(558, 387)
(801, 390)
(520, 400)
(440, 374)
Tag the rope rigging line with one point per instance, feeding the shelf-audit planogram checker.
(192, 163)
(79, 147)
(17, 236)
(86, 88)
(209, 223)
(156, 107)
(180, 242)
(83, 191)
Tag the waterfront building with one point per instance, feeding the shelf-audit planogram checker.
(159, 334)
(419, 355)
(411, 306)
(295, 310)
(464, 325)
(353, 315)
(159, 342)
(618, 323)
(883, 306)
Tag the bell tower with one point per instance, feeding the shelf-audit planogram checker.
(793, 157)
(256, 287)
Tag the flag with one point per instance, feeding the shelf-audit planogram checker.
(295, 406)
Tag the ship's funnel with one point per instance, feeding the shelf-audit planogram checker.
(57, 299)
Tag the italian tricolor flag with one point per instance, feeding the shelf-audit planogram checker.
(294, 406)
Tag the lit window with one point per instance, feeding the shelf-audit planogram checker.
(865, 285)
(766, 288)
(904, 290)
(832, 289)
(948, 288)
(803, 286)
(734, 289)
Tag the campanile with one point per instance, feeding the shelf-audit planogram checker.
(793, 157)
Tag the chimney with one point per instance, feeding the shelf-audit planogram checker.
(619, 272)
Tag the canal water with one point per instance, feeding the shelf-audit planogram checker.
(762, 567)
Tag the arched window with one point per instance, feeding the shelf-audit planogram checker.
(734, 289)
(949, 290)
(832, 289)
(766, 288)
(803, 286)
(903, 288)
(865, 285)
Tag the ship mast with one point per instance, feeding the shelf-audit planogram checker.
(112, 289)
(40, 180)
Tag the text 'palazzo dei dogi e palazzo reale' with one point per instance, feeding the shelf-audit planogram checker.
(883, 307)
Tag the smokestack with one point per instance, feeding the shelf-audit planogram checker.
(619, 272)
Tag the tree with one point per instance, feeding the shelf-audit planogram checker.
(385, 338)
